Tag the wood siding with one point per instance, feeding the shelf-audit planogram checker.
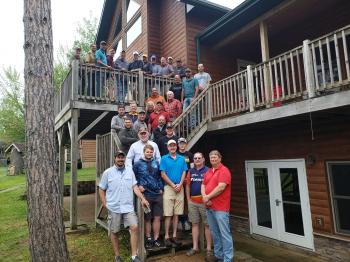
(153, 13)
(196, 21)
(88, 152)
(289, 139)
(173, 29)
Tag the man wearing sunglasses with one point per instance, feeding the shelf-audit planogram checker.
(196, 208)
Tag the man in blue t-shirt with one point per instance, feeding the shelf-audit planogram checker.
(151, 185)
(101, 62)
(196, 208)
(190, 90)
(173, 170)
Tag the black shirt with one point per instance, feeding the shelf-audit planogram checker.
(177, 90)
(163, 144)
(188, 158)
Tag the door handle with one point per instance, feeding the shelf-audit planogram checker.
(278, 202)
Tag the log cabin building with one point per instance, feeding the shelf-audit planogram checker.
(278, 108)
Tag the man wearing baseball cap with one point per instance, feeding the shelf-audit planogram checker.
(173, 170)
(136, 64)
(116, 189)
(163, 141)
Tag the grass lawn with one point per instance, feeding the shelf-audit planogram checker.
(89, 247)
(86, 174)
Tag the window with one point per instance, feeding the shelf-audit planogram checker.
(119, 48)
(134, 31)
(133, 7)
(339, 180)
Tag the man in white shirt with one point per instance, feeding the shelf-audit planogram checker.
(203, 78)
(136, 149)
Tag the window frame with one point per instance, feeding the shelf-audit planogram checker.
(334, 197)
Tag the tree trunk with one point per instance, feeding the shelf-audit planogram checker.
(45, 210)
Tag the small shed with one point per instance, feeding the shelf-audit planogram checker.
(15, 153)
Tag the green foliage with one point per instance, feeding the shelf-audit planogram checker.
(11, 106)
(86, 31)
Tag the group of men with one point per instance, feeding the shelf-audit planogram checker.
(185, 88)
(163, 183)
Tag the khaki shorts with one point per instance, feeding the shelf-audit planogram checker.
(197, 213)
(115, 220)
(173, 202)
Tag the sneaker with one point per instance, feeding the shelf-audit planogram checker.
(149, 243)
(168, 243)
(156, 243)
(175, 243)
(192, 252)
(136, 259)
(118, 259)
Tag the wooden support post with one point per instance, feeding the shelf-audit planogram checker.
(61, 160)
(141, 89)
(265, 56)
(141, 240)
(210, 103)
(309, 75)
(250, 88)
(75, 79)
(74, 168)
(93, 123)
(98, 173)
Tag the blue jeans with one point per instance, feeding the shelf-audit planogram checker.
(219, 225)
(121, 90)
(100, 83)
(193, 118)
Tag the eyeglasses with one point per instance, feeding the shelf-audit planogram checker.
(197, 158)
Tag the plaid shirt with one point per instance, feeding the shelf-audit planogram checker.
(174, 108)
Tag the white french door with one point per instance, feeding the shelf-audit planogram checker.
(278, 201)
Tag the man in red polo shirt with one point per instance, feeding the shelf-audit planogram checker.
(216, 193)
(153, 119)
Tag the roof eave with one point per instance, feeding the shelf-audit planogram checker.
(208, 5)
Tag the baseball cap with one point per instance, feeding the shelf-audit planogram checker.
(159, 102)
(188, 70)
(170, 57)
(171, 141)
(118, 153)
(142, 111)
(182, 140)
(142, 130)
(144, 55)
(169, 125)
(103, 43)
(153, 57)
(135, 53)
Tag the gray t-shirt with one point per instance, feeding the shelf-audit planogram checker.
(117, 123)
(203, 79)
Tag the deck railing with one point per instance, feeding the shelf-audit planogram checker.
(330, 59)
(62, 96)
(301, 73)
(97, 84)
(194, 117)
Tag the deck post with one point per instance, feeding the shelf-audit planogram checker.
(308, 69)
(265, 55)
(141, 89)
(61, 162)
(141, 240)
(210, 103)
(250, 88)
(74, 168)
(98, 173)
(75, 79)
